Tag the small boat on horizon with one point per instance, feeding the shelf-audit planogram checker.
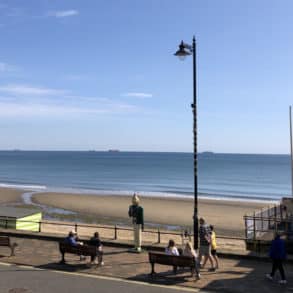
(113, 151)
(207, 153)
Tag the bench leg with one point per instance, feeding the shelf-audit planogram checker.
(153, 268)
(175, 270)
(62, 261)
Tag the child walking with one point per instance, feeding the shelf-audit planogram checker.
(214, 247)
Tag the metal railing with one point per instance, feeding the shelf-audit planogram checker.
(9, 223)
(258, 227)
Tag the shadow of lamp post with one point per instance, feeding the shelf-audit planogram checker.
(186, 50)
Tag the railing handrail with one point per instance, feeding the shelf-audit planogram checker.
(116, 228)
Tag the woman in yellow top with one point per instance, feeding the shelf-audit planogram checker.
(214, 246)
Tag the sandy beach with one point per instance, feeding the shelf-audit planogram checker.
(227, 216)
(10, 195)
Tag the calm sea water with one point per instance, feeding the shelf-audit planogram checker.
(256, 177)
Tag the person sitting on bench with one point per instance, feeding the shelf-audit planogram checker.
(72, 239)
(95, 241)
(189, 251)
(171, 249)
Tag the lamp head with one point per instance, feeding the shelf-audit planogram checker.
(182, 52)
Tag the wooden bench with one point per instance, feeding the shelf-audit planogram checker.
(85, 250)
(5, 241)
(171, 260)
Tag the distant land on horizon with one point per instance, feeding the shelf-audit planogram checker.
(137, 151)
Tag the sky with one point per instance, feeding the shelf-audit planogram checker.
(99, 75)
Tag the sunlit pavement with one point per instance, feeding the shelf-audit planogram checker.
(234, 275)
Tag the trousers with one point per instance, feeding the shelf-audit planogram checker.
(278, 265)
(137, 235)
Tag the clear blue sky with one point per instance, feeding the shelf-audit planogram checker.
(101, 75)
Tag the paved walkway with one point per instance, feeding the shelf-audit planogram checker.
(234, 275)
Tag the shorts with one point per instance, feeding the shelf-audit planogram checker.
(205, 250)
(214, 252)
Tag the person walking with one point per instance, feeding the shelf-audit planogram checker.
(214, 247)
(278, 255)
(205, 244)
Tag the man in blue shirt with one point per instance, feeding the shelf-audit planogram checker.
(72, 239)
(278, 255)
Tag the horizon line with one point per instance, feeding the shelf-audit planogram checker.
(136, 151)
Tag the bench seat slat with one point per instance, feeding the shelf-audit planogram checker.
(5, 241)
(86, 250)
(171, 260)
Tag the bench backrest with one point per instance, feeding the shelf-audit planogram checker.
(4, 241)
(79, 249)
(172, 260)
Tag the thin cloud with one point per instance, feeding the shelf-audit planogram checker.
(63, 13)
(77, 77)
(19, 89)
(25, 101)
(137, 95)
(4, 67)
(13, 108)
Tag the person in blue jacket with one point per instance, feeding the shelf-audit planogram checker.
(278, 255)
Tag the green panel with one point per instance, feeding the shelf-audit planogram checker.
(30, 223)
(10, 223)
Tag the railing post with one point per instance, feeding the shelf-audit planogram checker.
(268, 217)
(159, 235)
(261, 219)
(40, 223)
(275, 218)
(115, 232)
(245, 223)
(6, 223)
(75, 227)
(254, 227)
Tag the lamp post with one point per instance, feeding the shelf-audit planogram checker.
(186, 50)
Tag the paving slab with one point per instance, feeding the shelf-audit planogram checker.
(234, 275)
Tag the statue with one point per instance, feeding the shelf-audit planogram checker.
(136, 213)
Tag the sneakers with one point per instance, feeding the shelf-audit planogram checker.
(268, 276)
(102, 263)
(282, 282)
(198, 276)
(212, 269)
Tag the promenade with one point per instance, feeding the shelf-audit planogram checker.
(236, 273)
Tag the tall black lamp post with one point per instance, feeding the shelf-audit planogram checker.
(185, 50)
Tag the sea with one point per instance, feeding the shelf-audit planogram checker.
(245, 177)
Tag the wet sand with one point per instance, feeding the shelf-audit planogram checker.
(226, 216)
(10, 195)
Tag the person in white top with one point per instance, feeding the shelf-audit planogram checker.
(189, 251)
(171, 249)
